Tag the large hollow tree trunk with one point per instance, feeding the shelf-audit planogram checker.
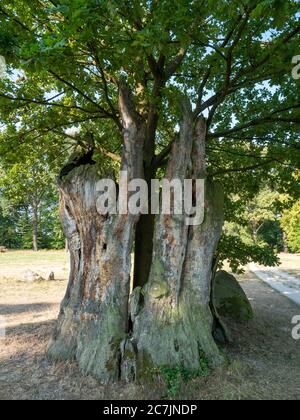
(173, 326)
(168, 322)
(93, 320)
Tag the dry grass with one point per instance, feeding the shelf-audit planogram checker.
(265, 360)
(13, 264)
(290, 263)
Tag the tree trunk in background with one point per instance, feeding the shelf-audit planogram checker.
(35, 228)
(173, 326)
(168, 322)
(285, 245)
(93, 321)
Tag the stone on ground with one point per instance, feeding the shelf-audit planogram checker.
(51, 276)
(31, 276)
(230, 299)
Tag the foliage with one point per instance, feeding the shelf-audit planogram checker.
(27, 182)
(175, 377)
(233, 249)
(233, 59)
(8, 228)
(272, 234)
(253, 232)
(290, 223)
(16, 226)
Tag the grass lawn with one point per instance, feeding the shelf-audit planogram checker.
(13, 264)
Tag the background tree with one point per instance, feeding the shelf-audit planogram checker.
(9, 218)
(123, 71)
(29, 197)
(291, 225)
(254, 233)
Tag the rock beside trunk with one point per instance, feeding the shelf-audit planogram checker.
(229, 298)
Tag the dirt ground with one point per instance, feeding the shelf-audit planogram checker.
(264, 359)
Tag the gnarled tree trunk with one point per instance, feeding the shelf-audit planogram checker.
(174, 325)
(94, 318)
(168, 322)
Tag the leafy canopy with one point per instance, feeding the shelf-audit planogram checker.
(232, 58)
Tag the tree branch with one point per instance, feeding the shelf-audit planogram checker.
(219, 96)
(171, 69)
(46, 103)
(159, 159)
(245, 169)
(80, 93)
(258, 121)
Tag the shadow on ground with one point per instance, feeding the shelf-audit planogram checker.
(25, 308)
(265, 360)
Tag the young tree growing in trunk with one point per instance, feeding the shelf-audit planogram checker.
(122, 72)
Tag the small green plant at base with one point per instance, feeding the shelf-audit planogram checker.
(174, 377)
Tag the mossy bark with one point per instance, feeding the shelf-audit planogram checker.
(94, 318)
(174, 326)
(167, 322)
(173, 330)
(94, 315)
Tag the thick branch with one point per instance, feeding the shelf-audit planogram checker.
(160, 158)
(171, 69)
(245, 169)
(256, 122)
(133, 133)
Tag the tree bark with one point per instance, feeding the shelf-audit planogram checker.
(93, 320)
(168, 322)
(173, 326)
(35, 228)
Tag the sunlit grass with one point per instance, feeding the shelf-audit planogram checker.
(23, 257)
(13, 264)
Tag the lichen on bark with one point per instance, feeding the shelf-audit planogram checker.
(174, 327)
(94, 314)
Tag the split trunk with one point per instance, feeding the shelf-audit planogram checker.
(112, 331)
